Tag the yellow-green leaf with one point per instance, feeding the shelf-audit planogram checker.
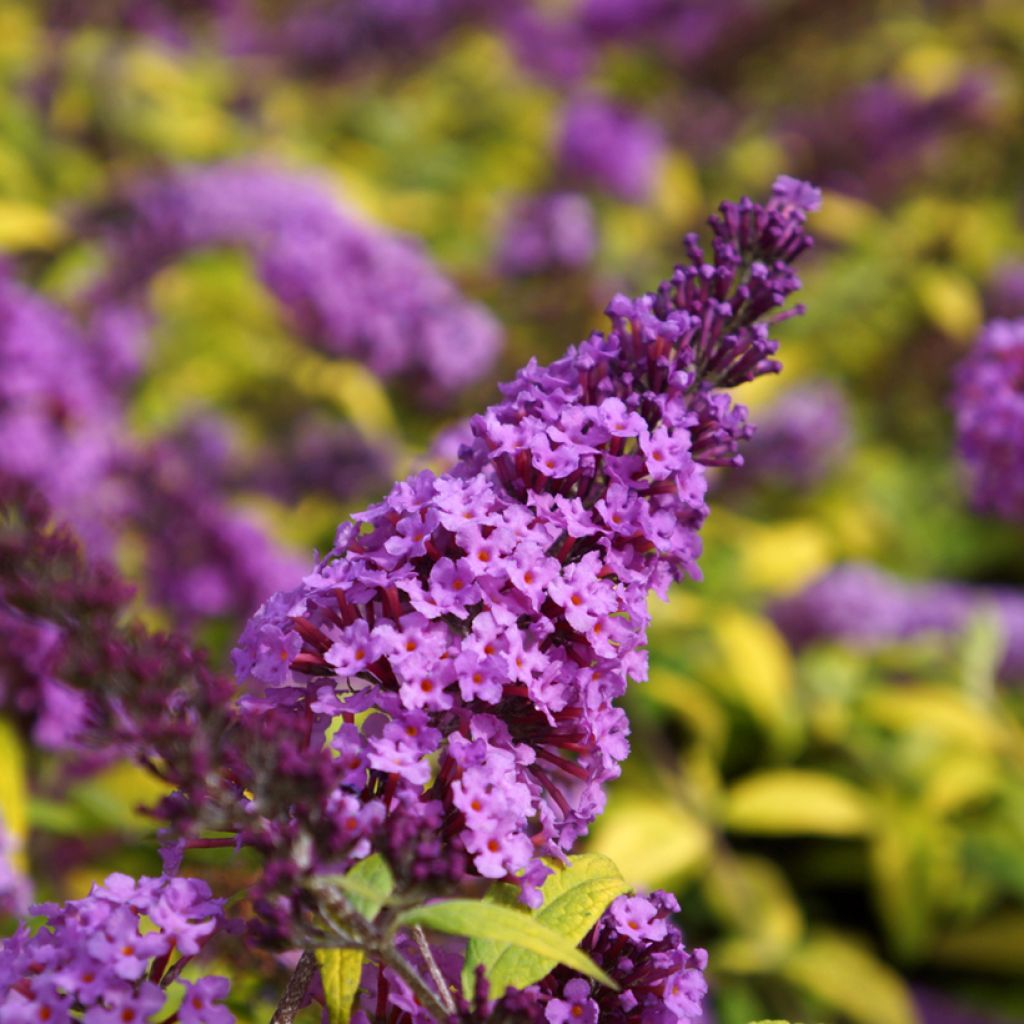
(340, 972)
(792, 801)
(754, 897)
(368, 885)
(756, 668)
(851, 980)
(574, 898)
(13, 789)
(27, 226)
(477, 919)
(656, 840)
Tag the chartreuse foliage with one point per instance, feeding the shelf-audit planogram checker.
(367, 888)
(575, 896)
(893, 777)
(14, 797)
(515, 946)
(491, 922)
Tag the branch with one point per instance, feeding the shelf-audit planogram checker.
(295, 991)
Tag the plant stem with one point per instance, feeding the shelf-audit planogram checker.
(295, 990)
(435, 971)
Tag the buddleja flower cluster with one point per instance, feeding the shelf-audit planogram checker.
(490, 617)
(989, 405)
(94, 962)
(440, 691)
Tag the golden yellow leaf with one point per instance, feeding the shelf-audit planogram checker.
(793, 801)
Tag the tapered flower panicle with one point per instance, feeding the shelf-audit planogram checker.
(988, 401)
(96, 962)
(490, 617)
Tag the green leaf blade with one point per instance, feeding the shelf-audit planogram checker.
(368, 885)
(574, 899)
(340, 971)
(477, 919)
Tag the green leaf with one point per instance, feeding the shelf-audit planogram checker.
(655, 839)
(13, 788)
(368, 885)
(476, 919)
(340, 972)
(851, 980)
(791, 801)
(574, 898)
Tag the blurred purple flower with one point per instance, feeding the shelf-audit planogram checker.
(865, 607)
(988, 401)
(57, 421)
(349, 288)
(800, 438)
(553, 232)
(610, 147)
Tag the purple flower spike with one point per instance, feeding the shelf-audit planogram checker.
(489, 618)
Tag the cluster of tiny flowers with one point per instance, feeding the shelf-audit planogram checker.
(865, 607)
(660, 980)
(548, 233)
(94, 961)
(76, 677)
(988, 401)
(350, 289)
(801, 438)
(490, 617)
(611, 148)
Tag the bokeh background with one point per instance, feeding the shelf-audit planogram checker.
(259, 259)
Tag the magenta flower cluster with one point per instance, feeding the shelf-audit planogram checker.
(490, 617)
(95, 962)
(988, 402)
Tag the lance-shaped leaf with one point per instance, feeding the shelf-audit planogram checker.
(477, 919)
(574, 898)
(340, 972)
